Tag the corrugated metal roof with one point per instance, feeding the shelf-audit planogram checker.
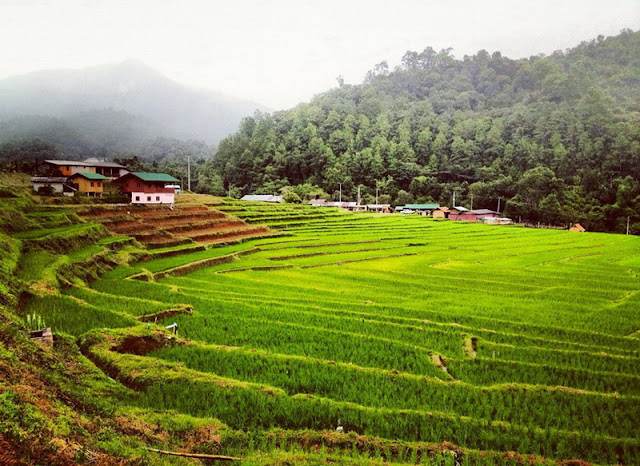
(85, 163)
(145, 176)
(261, 198)
(483, 212)
(422, 206)
(49, 179)
(90, 176)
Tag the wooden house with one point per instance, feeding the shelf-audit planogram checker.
(578, 227)
(148, 188)
(90, 183)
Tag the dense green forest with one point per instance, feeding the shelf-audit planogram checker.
(552, 139)
(557, 138)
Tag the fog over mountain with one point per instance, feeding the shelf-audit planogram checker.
(157, 104)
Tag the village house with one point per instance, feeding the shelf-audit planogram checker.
(380, 208)
(90, 183)
(148, 188)
(474, 215)
(578, 227)
(71, 167)
(421, 209)
(56, 184)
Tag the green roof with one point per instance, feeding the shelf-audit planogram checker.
(91, 176)
(422, 206)
(154, 176)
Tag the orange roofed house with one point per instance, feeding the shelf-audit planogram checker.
(148, 188)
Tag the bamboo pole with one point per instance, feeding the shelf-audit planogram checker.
(194, 455)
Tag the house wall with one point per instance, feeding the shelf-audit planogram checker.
(84, 185)
(140, 197)
(439, 214)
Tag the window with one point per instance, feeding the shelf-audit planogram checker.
(92, 184)
(157, 198)
(148, 198)
(99, 183)
(137, 198)
(138, 185)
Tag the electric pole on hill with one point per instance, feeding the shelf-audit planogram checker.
(189, 173)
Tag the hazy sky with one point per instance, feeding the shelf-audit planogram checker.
(281, 52)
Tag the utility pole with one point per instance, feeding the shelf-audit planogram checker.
(471, 202)
(376, 193)
(627, 225)
(340, 184)
(358, 194)
(499, 198)
(188, 172)
(454, 198)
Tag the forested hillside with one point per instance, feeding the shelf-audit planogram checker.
(557, 138)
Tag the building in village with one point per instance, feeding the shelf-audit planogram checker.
(91, 184)
(457, 210)
(474, 215)
(71, 167)
(148, 188)
(422, 209)
(57, 185)
(262, 198)
(380, 208)
(578, 227)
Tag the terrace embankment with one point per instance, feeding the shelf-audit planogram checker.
(162, 227)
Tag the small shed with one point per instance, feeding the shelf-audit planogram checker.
(578, 227)
(441, 212)
(89, 182)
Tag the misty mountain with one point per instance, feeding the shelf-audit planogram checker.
(130, 95)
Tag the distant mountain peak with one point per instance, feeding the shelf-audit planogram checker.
(131, 86)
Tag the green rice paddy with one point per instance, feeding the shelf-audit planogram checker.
(491, 337)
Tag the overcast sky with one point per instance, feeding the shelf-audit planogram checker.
(282, 52)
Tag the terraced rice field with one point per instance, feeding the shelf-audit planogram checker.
(491, 337)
